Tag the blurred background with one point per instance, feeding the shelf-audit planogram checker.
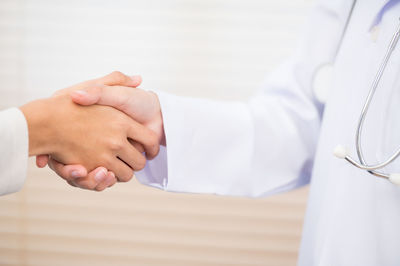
(220, 49)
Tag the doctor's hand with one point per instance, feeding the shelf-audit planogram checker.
(92, 136)
(142, 106)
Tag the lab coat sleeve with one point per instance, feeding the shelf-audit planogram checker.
(255, 148)
(14, 150)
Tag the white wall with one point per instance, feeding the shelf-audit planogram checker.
(211, 48)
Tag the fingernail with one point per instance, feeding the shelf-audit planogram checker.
(111, 180)
(100, 175)
(76, 174)
(80, 92)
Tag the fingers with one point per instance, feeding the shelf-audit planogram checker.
(42, 160)
(146, 137)
(113, 79)
(122, 171)
(88, 93)
(118, 78)
(112, 96)
(137, 145)
(93, 179)
(116, 96)
(67, 172)
(98, 180)
(76, 175)
(87, 97)
(109, 181)
(132, 157)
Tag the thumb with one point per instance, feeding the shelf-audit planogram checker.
(114, 96)
(87, 97)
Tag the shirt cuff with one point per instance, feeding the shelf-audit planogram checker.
(155, 174)
(14, 142)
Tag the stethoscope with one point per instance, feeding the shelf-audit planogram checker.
(341, 151)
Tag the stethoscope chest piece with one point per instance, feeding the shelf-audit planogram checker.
(395, 179)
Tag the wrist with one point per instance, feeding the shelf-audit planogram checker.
(160, 125)
(157, 123)
(37, 115)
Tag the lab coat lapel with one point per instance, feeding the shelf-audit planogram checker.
(383, 7)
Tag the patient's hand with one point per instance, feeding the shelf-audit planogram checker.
(92, 136)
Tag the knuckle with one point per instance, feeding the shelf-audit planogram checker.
(140, 163)
(153, 145)
(126, 177)
(95, 89)
(154, 152)
(118, 77)
(115, 145)
(106, 160)
(153, 139)
(119, 124)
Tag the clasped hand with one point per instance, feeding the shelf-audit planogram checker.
(97, 132)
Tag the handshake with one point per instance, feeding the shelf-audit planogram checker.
(97, 132)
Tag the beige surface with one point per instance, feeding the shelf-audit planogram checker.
(49, 223)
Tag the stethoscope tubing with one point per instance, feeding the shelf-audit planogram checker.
(367, 104)
(340, 151)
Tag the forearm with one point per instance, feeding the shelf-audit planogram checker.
(234, 148)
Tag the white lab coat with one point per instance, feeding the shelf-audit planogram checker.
(282, 138)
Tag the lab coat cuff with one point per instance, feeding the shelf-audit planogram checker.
(156, 173)
(14, 133)
(186, 136)
(172, 116)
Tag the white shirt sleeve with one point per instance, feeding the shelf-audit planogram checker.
(254, 148)
(14, 150)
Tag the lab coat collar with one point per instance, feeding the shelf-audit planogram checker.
(385, 6)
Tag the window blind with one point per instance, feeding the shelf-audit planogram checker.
(211, 48)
